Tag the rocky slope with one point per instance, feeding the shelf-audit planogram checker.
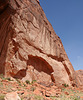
(29, 47)
(18, 90)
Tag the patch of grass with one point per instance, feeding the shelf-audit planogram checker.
(33, 88)
(76, 99)
(1, 84)
(37, 97)
(18, 82)
(2, 97)
(63, 89)
(53, 97)
(2, 77)
(21, 98)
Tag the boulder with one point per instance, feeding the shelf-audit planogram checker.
(12, 96)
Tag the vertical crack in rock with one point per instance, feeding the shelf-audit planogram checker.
(6, 26)
(5, 31)
(68, 71)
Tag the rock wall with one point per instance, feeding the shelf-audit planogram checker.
(29, 47)
(80, 76)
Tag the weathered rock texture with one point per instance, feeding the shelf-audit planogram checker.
(12, 96)
(80, 76)
(29, 47)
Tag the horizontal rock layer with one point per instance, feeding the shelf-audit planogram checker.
(29, 47)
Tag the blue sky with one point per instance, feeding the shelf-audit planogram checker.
(66, 17)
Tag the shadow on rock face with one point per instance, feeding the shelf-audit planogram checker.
(20, 74)
(3, 5)
(5, 31)
(41, 68)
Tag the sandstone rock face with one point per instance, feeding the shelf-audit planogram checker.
(29, 47)
(80, 76)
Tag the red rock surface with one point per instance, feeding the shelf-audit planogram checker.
(80, 76)
(29, 47)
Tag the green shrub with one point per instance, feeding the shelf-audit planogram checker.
(66, 85)
(8, 79)
(24, 84)
(34, 81)
(27, 81)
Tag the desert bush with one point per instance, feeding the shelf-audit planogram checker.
(8, 79)
(66, 85)
(27, 81)
(33, 81)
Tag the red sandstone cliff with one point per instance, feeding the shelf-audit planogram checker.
(80, 76)
(29, 47)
